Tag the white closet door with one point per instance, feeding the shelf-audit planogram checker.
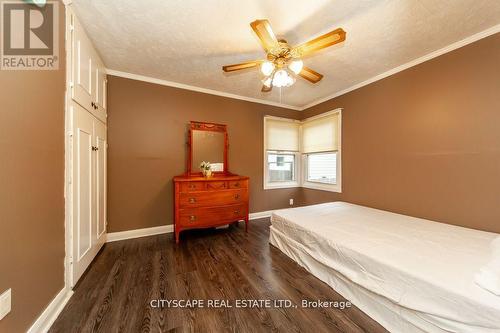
(100, 181)
(83, 71)
(100, 87)
(84, 247)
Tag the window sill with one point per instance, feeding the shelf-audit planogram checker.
(271, 186)
(323, 187)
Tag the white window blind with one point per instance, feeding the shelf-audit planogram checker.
(320, 134)
(281, 135)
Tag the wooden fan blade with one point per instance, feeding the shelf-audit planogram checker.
(266, 88)
(266, 35)
(243, 65)
(310, 75)
(331, 38)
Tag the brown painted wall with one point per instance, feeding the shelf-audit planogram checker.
(425, 142)
(32, 189)
(147, 147)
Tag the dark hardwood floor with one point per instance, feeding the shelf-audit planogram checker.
(115, 293)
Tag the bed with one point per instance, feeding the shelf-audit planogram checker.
(409, 274)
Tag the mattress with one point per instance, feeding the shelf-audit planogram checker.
(418, 272)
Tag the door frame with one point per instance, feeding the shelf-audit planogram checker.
(68, 136)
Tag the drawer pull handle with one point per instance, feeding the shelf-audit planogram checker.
(236, 212)
(236, 184)
(236, 196)
(192, 200)
(192, 186)
(192, 218)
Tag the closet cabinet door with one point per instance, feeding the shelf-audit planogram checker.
(100, 88)
(82, 181)
(83, 63)
(88, 181)
(101, 146)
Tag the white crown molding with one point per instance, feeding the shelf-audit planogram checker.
(198, 89)
(51, 312)
(471, 39)
(136, 233)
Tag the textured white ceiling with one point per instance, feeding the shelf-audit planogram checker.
(188, 41)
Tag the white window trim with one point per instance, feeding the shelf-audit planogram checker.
(301, 161)
(274, 185)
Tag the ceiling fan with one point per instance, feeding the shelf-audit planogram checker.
(282, 58)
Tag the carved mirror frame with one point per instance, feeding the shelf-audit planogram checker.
(202, 126)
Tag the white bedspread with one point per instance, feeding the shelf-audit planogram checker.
(419, 265)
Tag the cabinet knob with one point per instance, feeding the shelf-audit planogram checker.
(192, 200)
(192, 218)
(236, 196)
(236, 212)
(236, 184)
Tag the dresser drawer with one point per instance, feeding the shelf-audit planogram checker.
(211, 215)
(216, 185)
(212, 198)
(238, 184)
(192, 186)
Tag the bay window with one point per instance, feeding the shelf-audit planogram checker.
(303, 153)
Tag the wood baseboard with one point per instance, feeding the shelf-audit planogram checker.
(260, 215)
(51, 312)
(136, 233)
(164, 229)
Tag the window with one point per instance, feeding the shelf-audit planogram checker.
(322, 168)
(281, 148)
(311, 145)
(321, 152)
(281, 167)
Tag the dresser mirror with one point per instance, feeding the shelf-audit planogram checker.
(207, 142)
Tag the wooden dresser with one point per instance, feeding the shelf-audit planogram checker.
(202, 202)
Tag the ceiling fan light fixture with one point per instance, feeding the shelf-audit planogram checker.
(282, 79)
(283, 64)
(267, 68)
(296, 66)
(267, 81)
